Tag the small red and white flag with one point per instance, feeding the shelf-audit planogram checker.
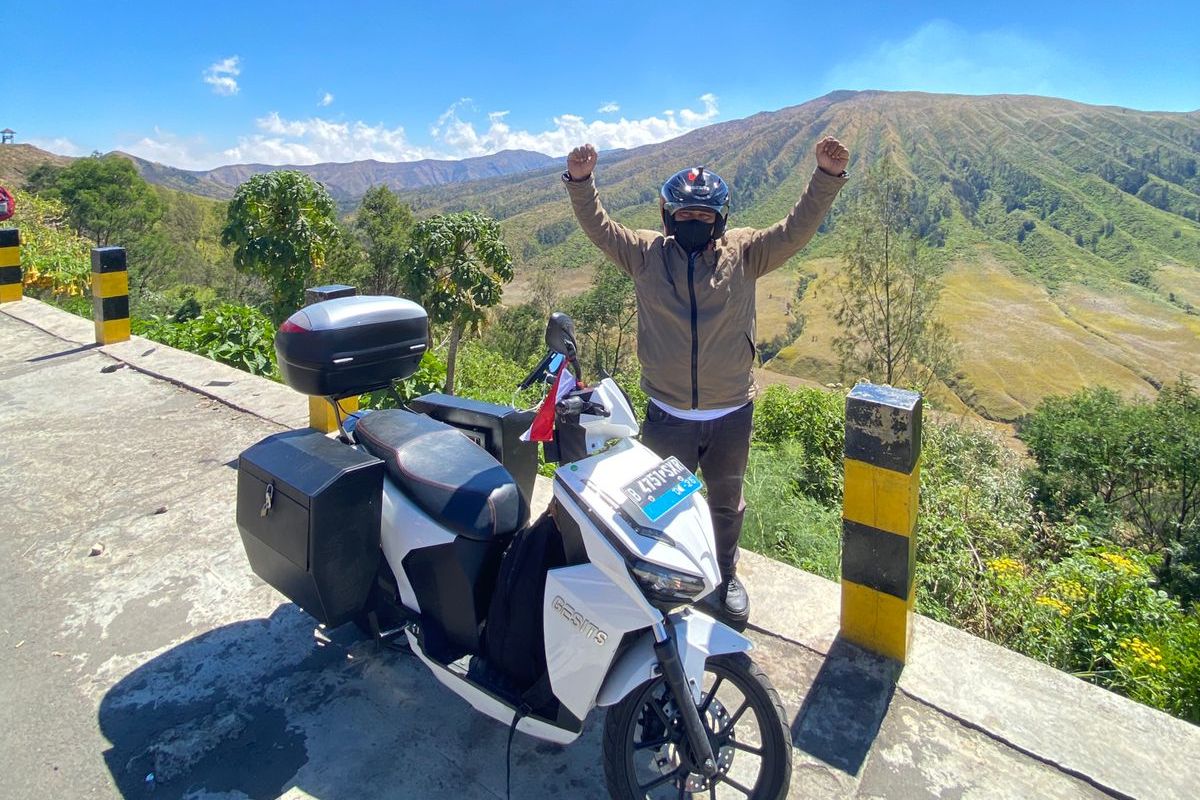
(542, 429)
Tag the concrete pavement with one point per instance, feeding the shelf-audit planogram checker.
(161, 667)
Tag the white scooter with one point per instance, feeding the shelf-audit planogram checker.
(534, 624)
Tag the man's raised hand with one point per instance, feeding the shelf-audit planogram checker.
(581, 161)
(832, 156)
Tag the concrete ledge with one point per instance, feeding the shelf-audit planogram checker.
(239, 390)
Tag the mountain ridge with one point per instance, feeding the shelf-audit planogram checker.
(346, 181)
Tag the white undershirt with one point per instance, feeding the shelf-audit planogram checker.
(696, 414)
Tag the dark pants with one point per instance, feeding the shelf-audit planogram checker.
(720, 448)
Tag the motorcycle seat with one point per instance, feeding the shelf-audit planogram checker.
(448, 476)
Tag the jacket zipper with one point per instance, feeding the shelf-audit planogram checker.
(695, 338)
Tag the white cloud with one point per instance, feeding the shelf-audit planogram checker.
(313, 140)
(168, 148)
(943, 57)
(61, 145)
(222, 76)
(279, 140)
(608, 108)
(326, 100)
(461, 139)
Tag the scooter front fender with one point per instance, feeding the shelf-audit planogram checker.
(697, 635)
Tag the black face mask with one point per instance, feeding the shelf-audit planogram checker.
(693, 235)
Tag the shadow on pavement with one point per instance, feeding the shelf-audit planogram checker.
(845, 706)
(218, 712)
(63, 353)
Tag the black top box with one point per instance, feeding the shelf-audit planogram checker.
(351, 345)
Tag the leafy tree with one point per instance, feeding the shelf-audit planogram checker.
(888, 293)
(107, 201)
(517, 332)
(345, 260)
(383, 224)
(1103, 459)
(606, 317)
(457, 265)
(42, 177)
(281, 225)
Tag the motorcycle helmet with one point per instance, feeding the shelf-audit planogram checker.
(695, 188)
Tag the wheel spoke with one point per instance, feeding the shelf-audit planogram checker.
(659, 781)
(745, 748)
(734, 784)
(662, 715)
(711, 694)
(734, 719)
(652, 743)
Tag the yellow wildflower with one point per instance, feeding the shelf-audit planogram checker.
(1121, 563)
(1005, 567)
(1053, 602)
(1070, 590)
(1144, 652)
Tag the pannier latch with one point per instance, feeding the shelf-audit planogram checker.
(268, 496)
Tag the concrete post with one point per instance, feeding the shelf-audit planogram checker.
(316, 294)
(321, 414)
(110, 294)
(11, 279)
(879, 517)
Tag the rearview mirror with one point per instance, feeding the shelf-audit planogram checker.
(560, 334)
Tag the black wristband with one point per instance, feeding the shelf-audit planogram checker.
(566, 176)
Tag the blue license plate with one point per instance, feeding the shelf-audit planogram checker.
(662, 488)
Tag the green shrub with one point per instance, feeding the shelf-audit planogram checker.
(973, 508)
(240, 336)
(781, 522)
(55, 260)
(814, 420)
(1098, 614)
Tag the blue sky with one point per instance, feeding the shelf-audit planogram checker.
(198, 85)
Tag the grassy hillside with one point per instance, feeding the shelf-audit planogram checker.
(1070, 237)
(18, 160)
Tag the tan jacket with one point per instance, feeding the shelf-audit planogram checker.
(696, 320)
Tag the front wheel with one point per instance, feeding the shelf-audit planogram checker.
(646, 753)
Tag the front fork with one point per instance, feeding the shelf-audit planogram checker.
(677, 683)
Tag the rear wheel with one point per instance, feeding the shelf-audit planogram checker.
(646, 754)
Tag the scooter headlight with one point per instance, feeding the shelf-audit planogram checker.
(664, 583)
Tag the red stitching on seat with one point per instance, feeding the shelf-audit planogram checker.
(394, 454)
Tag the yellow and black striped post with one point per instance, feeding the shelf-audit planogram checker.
(10, 266)
(110, 294)
(321, 414)
(879, 517)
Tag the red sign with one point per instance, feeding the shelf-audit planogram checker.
(8, 205)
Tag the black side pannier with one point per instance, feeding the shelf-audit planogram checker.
(308, 508)
(351, 345)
